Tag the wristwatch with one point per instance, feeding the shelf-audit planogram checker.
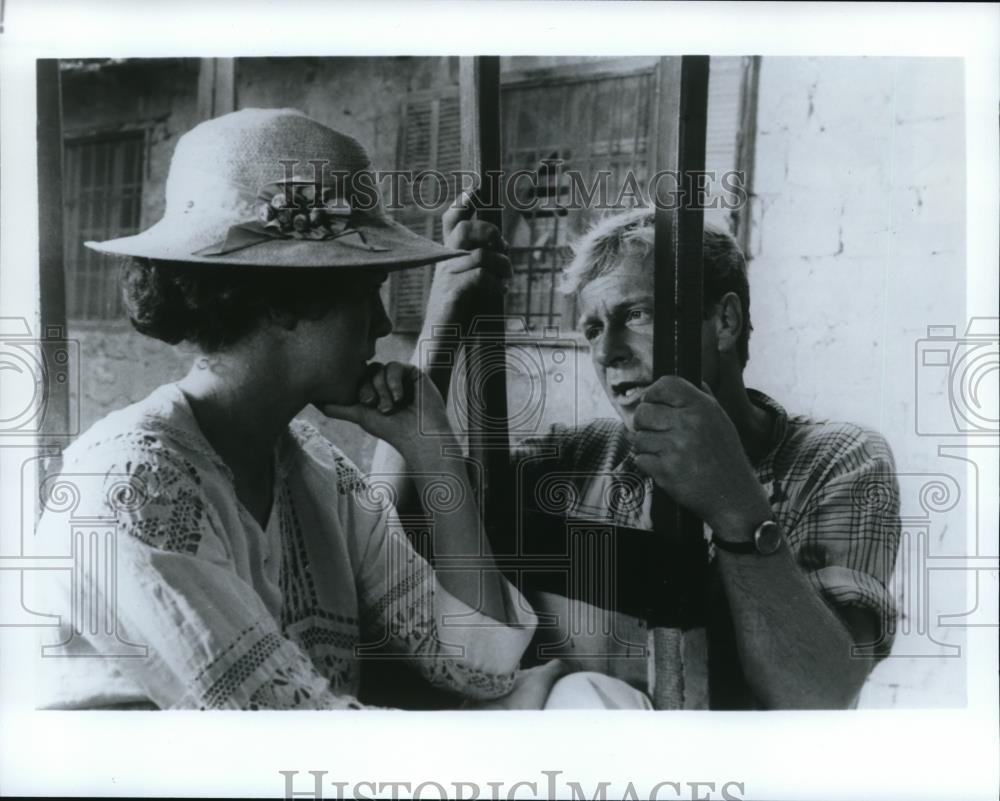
(766, 541)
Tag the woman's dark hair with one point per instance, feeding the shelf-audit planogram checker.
(216, 306)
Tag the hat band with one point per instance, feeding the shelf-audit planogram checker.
(245, 235)
(291, 211)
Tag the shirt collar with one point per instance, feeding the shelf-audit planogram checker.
(765, 466)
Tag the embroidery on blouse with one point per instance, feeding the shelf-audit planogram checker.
(288, 682)
(288, 688)
(173, 510)
(228, 684)
(328, 638)
(408, 613)
(298, 591)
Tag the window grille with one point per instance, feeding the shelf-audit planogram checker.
(586, 124)
(102, 191)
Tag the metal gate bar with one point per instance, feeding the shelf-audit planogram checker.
(678, 568)
(486, 353)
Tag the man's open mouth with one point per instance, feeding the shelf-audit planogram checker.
(628, 392)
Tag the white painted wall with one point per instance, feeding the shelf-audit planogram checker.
(858, 245)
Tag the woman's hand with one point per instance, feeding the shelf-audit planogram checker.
(531, 688)
(399, 404)
(459, 283)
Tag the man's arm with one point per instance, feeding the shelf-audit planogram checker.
(795, 650)
(458, 286)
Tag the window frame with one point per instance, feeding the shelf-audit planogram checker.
(586, 72)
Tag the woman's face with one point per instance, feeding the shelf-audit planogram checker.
(336, 347)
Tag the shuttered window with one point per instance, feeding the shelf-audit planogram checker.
(732, 111)
(430, 139)
(102, 199)
(588, 124)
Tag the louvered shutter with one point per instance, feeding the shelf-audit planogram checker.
(430, 139)
(727, 99)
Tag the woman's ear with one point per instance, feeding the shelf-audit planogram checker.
(729, 323)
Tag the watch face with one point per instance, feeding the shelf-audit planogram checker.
(768, 538)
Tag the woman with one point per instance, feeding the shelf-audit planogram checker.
(255, 567)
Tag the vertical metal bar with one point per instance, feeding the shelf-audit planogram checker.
(216, 87)
(433, 162)
(553, 265)
(115, 194)
(678, 578)
(225, 85)
(87, 194)
(691, 159)
(486, 354)
(529, 283)
(71, 183)
(52, 276)
(206, 88)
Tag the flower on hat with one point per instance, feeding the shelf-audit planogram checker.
(293, 210)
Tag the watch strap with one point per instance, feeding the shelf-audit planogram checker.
(750, 546)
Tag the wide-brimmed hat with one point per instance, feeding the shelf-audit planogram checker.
(272, 187)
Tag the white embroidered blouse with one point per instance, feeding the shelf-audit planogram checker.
(211, 611)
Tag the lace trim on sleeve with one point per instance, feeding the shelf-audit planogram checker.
(260, 669)
(403, 619)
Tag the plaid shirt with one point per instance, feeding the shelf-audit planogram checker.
(832, 488)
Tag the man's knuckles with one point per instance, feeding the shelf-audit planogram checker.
(662, 389)
(674, 390)
(652, 417)
(472, 234)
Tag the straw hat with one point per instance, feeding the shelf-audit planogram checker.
(272, 187)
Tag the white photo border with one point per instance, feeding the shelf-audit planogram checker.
(862, 754)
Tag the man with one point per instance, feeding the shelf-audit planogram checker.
(802, 515)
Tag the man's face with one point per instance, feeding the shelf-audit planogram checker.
(617, 321)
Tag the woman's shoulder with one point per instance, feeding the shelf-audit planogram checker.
(149, 444)
(142, 466)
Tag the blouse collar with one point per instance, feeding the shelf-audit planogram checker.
(178, 420)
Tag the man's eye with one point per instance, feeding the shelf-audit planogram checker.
(639, 316)
(591, 332)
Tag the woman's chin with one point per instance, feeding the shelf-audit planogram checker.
(334, 396)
